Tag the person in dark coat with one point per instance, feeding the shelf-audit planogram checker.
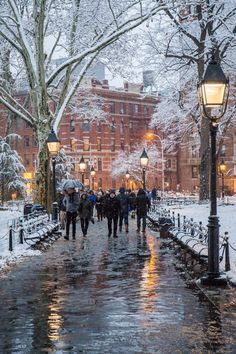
(85, 212)
(71, 203)
(111, 211)
(124, 209)
(99, 206)
(142, 207)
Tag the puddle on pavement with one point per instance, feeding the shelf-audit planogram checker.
(110, 296)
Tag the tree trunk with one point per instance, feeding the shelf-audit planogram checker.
(204, 164)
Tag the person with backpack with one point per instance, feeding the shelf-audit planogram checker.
(124, 210)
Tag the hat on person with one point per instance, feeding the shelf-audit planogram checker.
(122, 190)
(112, 190)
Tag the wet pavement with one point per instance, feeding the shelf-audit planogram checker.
(115, 296)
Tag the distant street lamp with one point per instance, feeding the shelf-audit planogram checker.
(92, 174)
(222, 170)
(213, 98)
(82, 167)
(144, 163)
(127, 176)
(150, 135)
(53, 145)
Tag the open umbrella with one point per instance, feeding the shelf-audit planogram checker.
(72, 183)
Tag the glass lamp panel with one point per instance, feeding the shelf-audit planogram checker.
(222, 168)
(53, 148)
(144, 161)
(92, 173)
(213, 94)
(82, 166)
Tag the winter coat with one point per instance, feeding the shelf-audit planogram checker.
(60, 199)
(124, 203)
(142, 205)
(111, 207)
(92, 199)
(99, 202)
(132, 200)
(71, 202)
(85, 209)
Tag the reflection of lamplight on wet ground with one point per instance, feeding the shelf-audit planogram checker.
(55, 322)
(149, 281)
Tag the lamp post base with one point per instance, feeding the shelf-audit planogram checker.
(214, 281)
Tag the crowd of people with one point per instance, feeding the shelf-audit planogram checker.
(115, 207)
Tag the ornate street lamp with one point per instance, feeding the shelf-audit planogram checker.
(127, 176)
(213, 97)
(222, 170)
(92, 174)
(53, 145)
(82, 167)
(144, 163)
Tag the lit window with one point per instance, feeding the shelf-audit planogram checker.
(122, 108)
(72, 125)
(99, 144)
(86, 144)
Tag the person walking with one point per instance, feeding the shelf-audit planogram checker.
(62, 209)
(142, 206)
(92, 199)
(71, 203)
(124, 210)
(99, 206)
(85, 212)
(111, 211)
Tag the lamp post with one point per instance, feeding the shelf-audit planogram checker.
(53, 145)
(82, 167)
(213, 98)
(222, 170)
(92, 174)
(150, 135)
(127, 176)
(144, 162)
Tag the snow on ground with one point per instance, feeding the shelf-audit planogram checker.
(227, 220)
(7, 258)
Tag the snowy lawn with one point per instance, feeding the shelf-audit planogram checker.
(6, 257)
(227, 220)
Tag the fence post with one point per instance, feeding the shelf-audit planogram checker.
(184, 223)
(192, 227)
(10, 238)
(227, 261)
(178, 221)
(21, 232)
(173, 217)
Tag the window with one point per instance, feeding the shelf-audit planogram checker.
(136, 108)
(194, 171)
(86, 144)
(16, 142)
(113, 125)
(122, 127)
(168, 163)
(222, 151)
(99, 127)
(194, 151)
(146, 127)
(73, 144)
(72, 125)
(122, 145)
(112, 107)
(34, 161)
(27, 125)
(99, 144)
(131, 125)
(145, 109)
(26, 160)
(100, 182)
(34, 141)
(26, 141)
(99, 164)
(85, 126)
(131, 108)
(113, 145)
(122, 108)
(17, 122)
